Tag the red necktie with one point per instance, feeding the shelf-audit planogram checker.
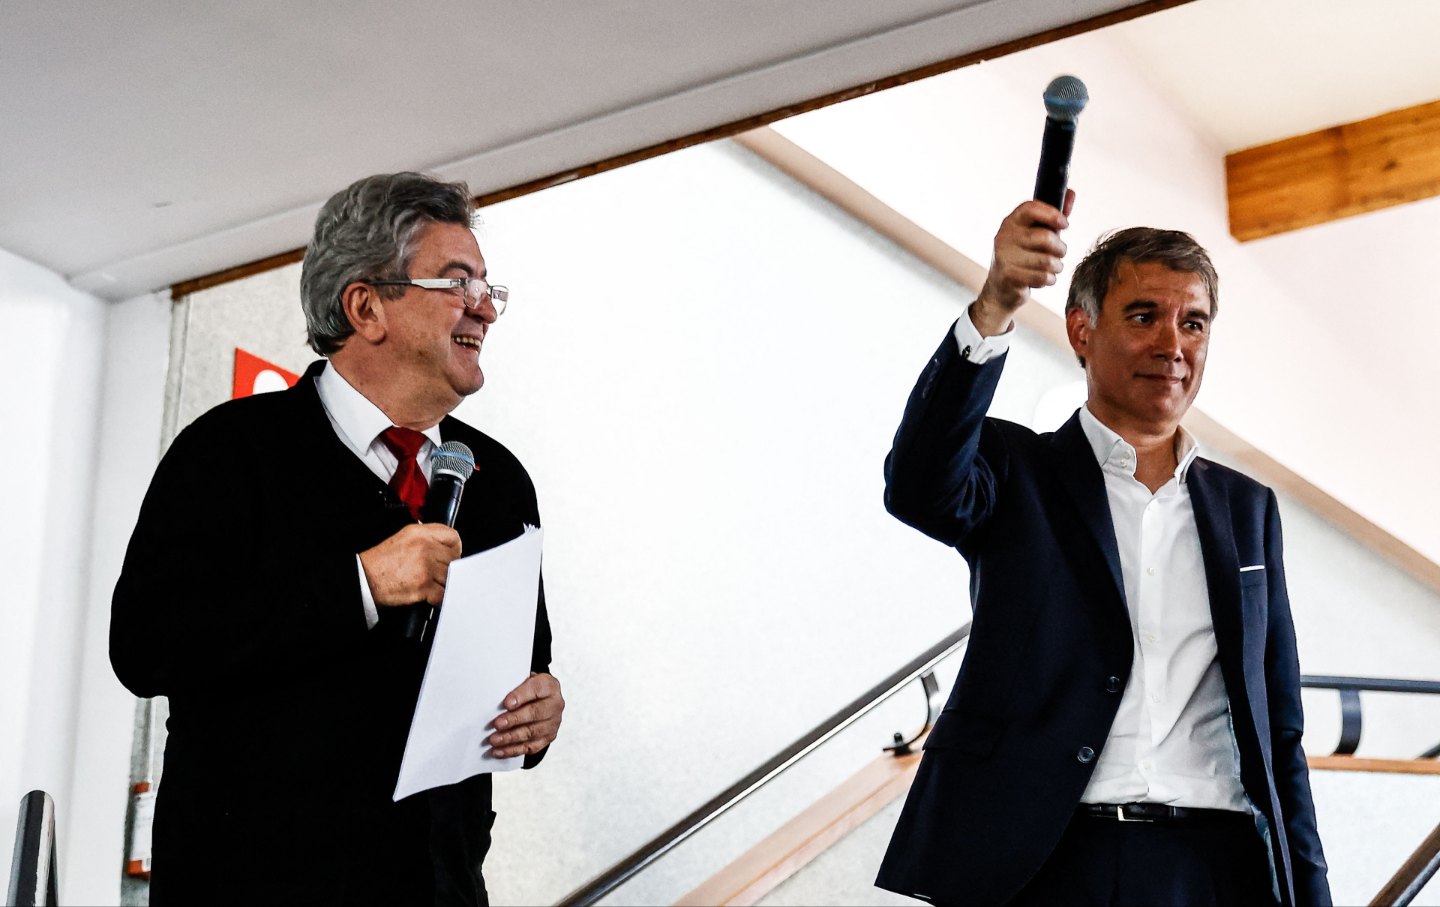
(409, 481)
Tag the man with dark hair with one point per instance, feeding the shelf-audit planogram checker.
(1125, 727)
(272, 617)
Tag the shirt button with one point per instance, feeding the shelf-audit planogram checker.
(1150, 571)
(1148, 637)
(1085, 756)
(1146, 764)
(1112, 684)
(1154, 697)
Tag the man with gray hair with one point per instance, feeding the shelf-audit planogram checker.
(1125, 727)
(273, 617)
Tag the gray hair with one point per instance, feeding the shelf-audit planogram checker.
(367, 232)
(1140, 245)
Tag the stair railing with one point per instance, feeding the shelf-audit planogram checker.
(33, 876)
(1412, 875)
(921, 668)
(1350, 689)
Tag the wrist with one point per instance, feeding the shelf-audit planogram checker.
(989, 318)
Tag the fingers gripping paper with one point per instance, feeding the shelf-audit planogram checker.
(484, 633)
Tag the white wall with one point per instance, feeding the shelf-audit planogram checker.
(132, 397)
(51, 349)
(1305, 364)
(68, 393)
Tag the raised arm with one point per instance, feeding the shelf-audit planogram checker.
(939, 477)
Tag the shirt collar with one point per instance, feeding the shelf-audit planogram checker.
(359, 420)
(1115, 452)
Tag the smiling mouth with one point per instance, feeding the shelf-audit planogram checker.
(472, 343)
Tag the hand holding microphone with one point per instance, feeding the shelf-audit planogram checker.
(408, 570)
(1028, 250)
(410, 566)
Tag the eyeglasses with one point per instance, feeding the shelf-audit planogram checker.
(476, 289)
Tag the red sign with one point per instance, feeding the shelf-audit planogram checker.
(254, 375)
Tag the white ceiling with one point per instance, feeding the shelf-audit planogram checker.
(1253, 71)
(156, 140)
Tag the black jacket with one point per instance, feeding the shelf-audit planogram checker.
(240, 600)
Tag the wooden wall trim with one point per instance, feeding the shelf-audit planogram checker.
(854, 200)
(239, 272)
(819, 827)
(1385, 766)
(1334, 173)
(727, 130)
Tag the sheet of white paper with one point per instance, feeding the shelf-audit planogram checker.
(484, 633)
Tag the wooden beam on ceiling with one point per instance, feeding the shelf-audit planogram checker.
(1334, 173)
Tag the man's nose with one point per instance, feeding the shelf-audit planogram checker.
(1167, 341)
(484, 310)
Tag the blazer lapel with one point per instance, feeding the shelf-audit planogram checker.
(1081, 477)
(1222, 569)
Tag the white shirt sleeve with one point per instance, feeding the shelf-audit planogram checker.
(367, 598)
(976, 348)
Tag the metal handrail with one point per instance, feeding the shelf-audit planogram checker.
(1350, 688)
(1421, 866)
(33, 876)
(1412, 875)
(716, 806)
(1373, 684)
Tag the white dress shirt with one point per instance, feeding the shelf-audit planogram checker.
(359, 424)
(1171, 741)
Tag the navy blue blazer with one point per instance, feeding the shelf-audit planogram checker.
(1051, 644)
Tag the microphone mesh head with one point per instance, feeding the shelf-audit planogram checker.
(453, 458)
(1065, 97)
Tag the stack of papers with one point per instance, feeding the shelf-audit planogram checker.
(484, 636)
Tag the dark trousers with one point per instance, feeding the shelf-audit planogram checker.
(1100, 862)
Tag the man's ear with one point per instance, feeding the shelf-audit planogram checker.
(1077, 329)
(365, 311)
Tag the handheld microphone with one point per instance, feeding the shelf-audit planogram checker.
(1064, 98)
(450, 465)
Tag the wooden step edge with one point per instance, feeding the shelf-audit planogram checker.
(795, 844)
(1386, 766)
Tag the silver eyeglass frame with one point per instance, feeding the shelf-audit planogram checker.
(498, 293)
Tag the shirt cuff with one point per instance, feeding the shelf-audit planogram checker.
(976, 348)
(367, 598)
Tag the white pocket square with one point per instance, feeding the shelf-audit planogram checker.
(1252, 567)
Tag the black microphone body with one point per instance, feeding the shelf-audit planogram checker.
(1054, 174)
(453, 464)
(1064, 98)
(442, 501)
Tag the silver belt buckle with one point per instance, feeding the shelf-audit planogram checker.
(1120, 814)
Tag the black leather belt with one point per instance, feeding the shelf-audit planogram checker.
(1155, 812)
